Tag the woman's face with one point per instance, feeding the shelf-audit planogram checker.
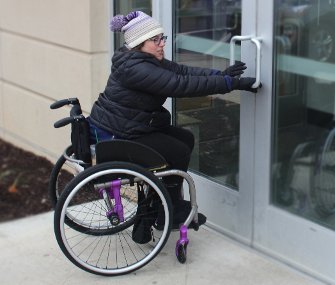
(155, 46)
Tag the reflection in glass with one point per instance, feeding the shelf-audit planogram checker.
(303, 163)
(203, 30)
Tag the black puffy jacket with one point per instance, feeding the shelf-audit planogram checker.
(138, 86)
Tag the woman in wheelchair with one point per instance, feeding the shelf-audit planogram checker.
(141, 79)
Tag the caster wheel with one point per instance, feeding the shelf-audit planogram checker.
(181, 253)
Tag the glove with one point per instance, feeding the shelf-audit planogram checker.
(245, 83)
(235, 70)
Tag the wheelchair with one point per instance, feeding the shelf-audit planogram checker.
(104, 194)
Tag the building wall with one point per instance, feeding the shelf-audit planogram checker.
(49, 50)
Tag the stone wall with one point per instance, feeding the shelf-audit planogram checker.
(49, 50)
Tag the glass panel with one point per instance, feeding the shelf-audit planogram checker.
(303, 180)
(125, 7)
(203, 30)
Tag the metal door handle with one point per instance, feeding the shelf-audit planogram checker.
(257, 43)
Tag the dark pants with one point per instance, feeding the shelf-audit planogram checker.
(175, 145)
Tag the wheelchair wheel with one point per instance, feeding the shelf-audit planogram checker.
(323, 182)
(88, 236)
(60, 176)
(62, 173)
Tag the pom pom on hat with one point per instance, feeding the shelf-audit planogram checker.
(136, 26)
(118, 22)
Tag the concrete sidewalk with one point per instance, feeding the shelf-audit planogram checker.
(30, 255)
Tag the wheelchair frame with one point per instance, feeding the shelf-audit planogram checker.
(112, 197)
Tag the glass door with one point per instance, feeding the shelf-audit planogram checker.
(203, 31)
(222, 123)
(199, 34)
(295, 186)
(264, 164)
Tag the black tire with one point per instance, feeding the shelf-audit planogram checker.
(322, 190)
(62, 173)
(181, 253)
(321, 42)
(288, 195)
(85, 234)
(60, 176)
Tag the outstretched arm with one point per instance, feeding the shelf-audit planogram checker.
(187, 70)
(234, 70)
(152, 79)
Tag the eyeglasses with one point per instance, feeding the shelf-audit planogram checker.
(158, 40)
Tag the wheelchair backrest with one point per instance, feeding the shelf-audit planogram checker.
(80, 140)
(80, 134)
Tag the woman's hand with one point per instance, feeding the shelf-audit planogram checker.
(235, 70)
(245, 83)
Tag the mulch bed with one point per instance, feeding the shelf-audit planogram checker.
(24, 179)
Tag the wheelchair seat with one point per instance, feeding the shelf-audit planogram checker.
(129, 151)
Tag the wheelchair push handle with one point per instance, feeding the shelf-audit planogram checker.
(63, 102)
(75, 112)
(65, 121)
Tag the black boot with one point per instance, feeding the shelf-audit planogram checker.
(175, 192)
(146, 215)
(181, 209)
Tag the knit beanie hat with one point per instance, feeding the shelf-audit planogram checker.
(136, 26)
